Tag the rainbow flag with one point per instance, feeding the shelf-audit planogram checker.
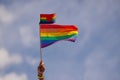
(51, 33)
(47, 18)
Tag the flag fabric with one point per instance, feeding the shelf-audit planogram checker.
(51, 33)
(47, 18)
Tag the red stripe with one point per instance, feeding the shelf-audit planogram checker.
(48, 17)
(55, 26)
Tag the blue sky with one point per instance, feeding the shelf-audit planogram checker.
(94, 56)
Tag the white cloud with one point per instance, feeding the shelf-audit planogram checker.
(14, 76)
(7, 59)
(5, 15)
(32, 61)
(1, 35)
(27, 36)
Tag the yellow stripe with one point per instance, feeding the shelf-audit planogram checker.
(59, 33)
(43, 18)
(54, 17)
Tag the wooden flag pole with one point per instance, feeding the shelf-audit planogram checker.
(41, 67)
(40, 45)
(40, 53)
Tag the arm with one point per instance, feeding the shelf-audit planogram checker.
(41, 69)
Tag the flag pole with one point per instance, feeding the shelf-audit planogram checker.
(40, 54)
(40, 44)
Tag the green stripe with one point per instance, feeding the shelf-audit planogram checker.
(43, 20)
(46, 19)
(57, 37)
